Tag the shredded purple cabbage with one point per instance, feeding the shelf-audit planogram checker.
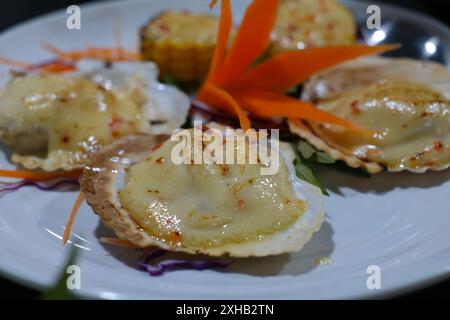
(44, 186)
(172, 264)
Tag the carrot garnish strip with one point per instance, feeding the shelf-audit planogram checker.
(207, 96)
(108, 54)
(14, 63)
(252, 39)
(215, 96)
(39, 176)
(56, 68)
(225, 25)
(291, 68)
(75, 208)
(233, 83)
(266, 104)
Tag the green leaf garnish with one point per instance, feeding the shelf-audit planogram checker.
(308, 156)
(324, 158)
(169, 80)
(60, 291)
(306, 149)
(305, 173)
(310, 153)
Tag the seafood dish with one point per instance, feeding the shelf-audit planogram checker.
(403, 102)
(213, 139)
(52, 121)
(215, 209)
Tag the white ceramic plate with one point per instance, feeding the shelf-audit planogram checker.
(398, 222)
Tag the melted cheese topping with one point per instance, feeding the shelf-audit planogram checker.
(54, 115)
(205, 206)
(312, 23)
(411, 123)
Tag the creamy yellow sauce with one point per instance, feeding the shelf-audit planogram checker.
(410, 124)
(205, 206)
(63, 114)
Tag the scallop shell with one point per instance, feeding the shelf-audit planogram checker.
(162, 109)
(398, 89)
(100, 183)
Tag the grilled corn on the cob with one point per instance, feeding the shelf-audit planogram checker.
(181, 44)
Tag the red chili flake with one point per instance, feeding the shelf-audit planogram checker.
(241, 204)
(355, 107)
(438, 146)
(114, 121)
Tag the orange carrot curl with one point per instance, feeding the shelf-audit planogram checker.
(73, 214)
(50, 67)
(56, 67)
(39, 176)
(106, 54)
(236, 86)
(15, 63)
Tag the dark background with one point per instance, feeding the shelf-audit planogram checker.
(16, 11)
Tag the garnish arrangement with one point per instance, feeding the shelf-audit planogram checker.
(99, 120)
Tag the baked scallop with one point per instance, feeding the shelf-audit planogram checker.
(53, 121)
(312, 23)
(212, 209)
(402, 104)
